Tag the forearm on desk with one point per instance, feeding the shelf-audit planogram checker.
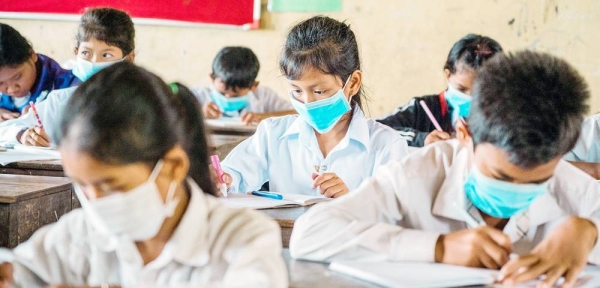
(590, 168)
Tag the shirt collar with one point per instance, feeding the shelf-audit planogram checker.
(542, 210)
(357, 131)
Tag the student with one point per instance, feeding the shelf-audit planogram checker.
(464, 60)
(148, 217)
(330, 147)
(586, 153)
(235, 92)
(24, 75)
(504, 171)
(105, 37)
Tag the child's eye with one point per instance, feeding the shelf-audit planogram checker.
(296, 93)
(318, 92)
(85, 53)
(107, 55)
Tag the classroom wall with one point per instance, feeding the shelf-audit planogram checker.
(403, 43)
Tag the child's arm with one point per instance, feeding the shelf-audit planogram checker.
(410, 120)
(47, 257)
(564, 252)
(247, 163)
(253, 118)
(593, 169)
(7, 114)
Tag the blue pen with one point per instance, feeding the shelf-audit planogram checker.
(267, 194)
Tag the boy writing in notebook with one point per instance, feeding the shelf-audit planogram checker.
(234, 91)
(500, 188)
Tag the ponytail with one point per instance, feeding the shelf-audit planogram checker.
(195, 144)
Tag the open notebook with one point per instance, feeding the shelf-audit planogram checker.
(240, 200)
(432, 275)
(18, 153)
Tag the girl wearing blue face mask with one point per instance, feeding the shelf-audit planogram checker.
(465, 58)
(105, 36)
(330, 147)
(147, 217)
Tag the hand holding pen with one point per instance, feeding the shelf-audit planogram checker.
(36, 135)
(220, 178)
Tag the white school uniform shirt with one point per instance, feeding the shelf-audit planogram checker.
(212, 245)
(399, 214)
(262, 100)
(285, 152)
(49, 110)
(587, 148)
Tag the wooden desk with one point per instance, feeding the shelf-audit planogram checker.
(225, 130)
(305, 274)
(30, 202)
(38, 168)
(219, 144)
(286, 218)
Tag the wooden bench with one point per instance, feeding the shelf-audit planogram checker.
(30, 202)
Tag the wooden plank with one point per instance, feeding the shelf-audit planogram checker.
(15, 188)
(29, 215)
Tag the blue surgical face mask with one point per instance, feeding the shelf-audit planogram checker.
(229, 104)
(323, 114)
(500, 199)
(85, 69)
(460, 102)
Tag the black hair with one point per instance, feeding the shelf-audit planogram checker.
(108, 25)
(125, 114)
(324, 44)
(471, 50)
(530, 105)
(14, 48)
(236, 66)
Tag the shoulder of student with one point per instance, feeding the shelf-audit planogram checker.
(382, 136)
(202, 93)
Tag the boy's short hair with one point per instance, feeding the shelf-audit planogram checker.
(530, 105)
(14, 48)
(236, 66)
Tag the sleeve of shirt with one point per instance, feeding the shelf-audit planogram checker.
(395, 151)
(403, 120)
(48, 256)
(247, 163)
(10, 128)
(255, 258)
(201, 94)
(363, 225)
(587, 148)
(271, 101)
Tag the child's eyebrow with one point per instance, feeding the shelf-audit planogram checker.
(16, 76)
(505, 177)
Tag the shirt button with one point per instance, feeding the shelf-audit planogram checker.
(324, 168)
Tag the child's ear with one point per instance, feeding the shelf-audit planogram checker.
(355, 82)
(34, 56)
(447, 73)
(130, 57)
(75, 50)
(463, 134)
(254, 86)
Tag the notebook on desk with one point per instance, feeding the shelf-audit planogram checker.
(432, 275)
(19, 153)
(229, 122)
(241, 200)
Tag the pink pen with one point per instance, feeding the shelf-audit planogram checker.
(37, 116)
(217, 165)
(435, 123)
